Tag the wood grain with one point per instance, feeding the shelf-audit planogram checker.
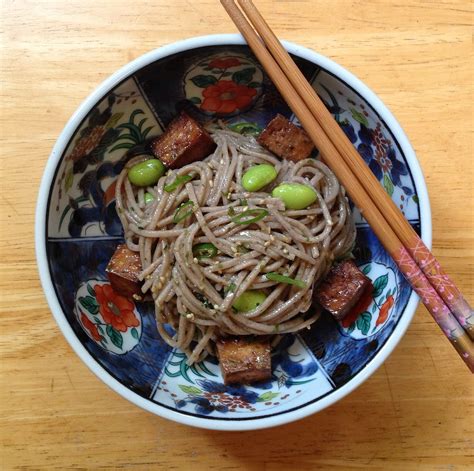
(415, 412)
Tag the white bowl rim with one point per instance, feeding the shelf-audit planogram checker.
(41, 222)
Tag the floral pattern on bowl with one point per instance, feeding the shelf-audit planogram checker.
(373, 141)
(82, 231)
(366, 320)
(84, 196)
(108, 318)
(224, 85)
(199, 388)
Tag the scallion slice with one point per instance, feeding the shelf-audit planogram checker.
(272, 276)
(179, 180)
(243, 218)
(204, 250)
(183, 211)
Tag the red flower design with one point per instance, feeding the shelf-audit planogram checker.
(226, 96)
(116, 310)
(383, 160)
(224, 63)
(91, 327)
(359, 308)
(384, 310)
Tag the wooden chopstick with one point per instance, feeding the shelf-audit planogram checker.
(330, 154)
(407, 235)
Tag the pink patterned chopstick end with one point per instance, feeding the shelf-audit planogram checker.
(443, 284)
(435, 305)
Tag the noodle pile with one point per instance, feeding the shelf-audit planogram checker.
(195, 296)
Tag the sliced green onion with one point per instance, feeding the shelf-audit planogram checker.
(231, 211)
(205, 250)
(206, 303)
(242, 249)
(179, 180)
(185, 210)
(242, 218)
(246, 128)
(230, 288)
(148, 198)
(272, 276)
(243, 202)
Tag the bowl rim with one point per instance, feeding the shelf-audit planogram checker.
(41, 225)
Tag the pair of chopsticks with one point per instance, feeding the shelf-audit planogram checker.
(437, 291)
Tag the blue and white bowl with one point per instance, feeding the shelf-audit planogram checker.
(77, 230)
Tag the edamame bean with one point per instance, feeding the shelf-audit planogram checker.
(148, 198)
(146, 173)
(258, 176)
(295, 195)
(249, 300)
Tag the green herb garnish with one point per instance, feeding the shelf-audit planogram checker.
(183, 211)
(179, 180)
(252, 129)
(205, 250)
(272, 276)
(230, 288)
(206, 303)
(246, 216)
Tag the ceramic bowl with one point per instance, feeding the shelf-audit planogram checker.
(77, 230)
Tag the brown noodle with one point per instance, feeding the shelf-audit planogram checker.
(195, 296)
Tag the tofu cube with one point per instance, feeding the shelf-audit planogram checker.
(244, 360)
(184, 141)
(342, 288)
(286, 140)
(123, 270)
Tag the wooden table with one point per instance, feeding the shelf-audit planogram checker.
(415, 412)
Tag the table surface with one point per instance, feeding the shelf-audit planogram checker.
(415, 412)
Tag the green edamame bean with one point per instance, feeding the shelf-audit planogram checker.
(148, 198)
(249, 300)
(146, 173)
(258, 176)
(295, 195)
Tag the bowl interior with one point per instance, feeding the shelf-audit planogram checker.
(82, 231)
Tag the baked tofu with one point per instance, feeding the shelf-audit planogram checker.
(123, 270)
(244, 360)
(342, 288)
(286, 140)
(184, 141)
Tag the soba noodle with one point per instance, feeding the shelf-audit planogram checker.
(195, 296)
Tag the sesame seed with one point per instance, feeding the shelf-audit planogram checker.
(285, 251)
(221, 161)
(211, 183)
(245, 208)
(267, 243)
(162, 279)
(216, 307)
(137, 297)
(195, 260)
(272, 238)
(190, 316)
